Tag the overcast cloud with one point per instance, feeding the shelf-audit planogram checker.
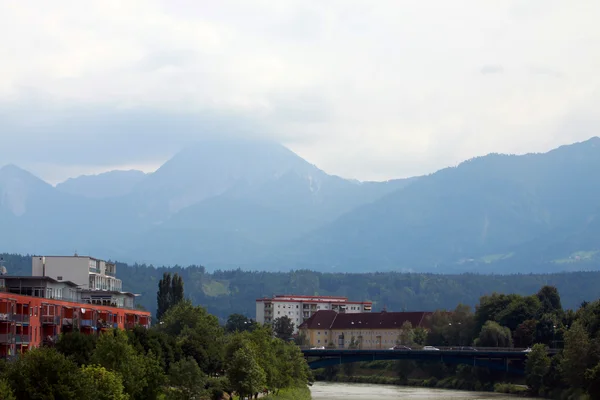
(363, 89)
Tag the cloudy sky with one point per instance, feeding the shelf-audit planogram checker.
(363, 89)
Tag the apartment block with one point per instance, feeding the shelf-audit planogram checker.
(301, 308)
(35, 310)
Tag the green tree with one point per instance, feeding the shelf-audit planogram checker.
(177, 292)
(6, 392)
(170, 292)
(163, 297)
(575, 356)
(186, 380)
(420, 335)
(536, 367)
(244, 373)
(525, 333)
(142, 375)
(45, 373)
(406, 335)
(107, 385)
(239, 323)
(198, 333)
(550, 300)
(76, 345)
(494, 335)
(283, 328)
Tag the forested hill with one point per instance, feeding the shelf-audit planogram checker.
(228, 292)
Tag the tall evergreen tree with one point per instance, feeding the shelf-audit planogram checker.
(163, 297)
(176, 289)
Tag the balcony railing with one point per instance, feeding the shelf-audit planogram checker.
(87, 322)
(50, 320)
(22, 339)
(21, 318)
(111, 273)
(7, 338)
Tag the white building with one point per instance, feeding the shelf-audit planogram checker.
(300, 308)
(95, 279)
(87, 272)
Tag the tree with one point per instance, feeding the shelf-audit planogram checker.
(536, 367)
(239, 323)
(163, 297)
(575, 356)
(45, 373)
(494, 335)
(420, 335)
(76, 345)
(107, 385)
(176, 289)
(186, 379)
(406, 335)
(142, 375)
(283, 328)
(6, 392)
(198, 333)
(244, 373)
(549, 300)
(525, 333)
(170, 292)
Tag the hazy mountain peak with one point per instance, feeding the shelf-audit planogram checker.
(108, 184)
(16, 185)
(214, 166)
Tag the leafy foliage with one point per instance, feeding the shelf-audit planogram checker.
(283, 327)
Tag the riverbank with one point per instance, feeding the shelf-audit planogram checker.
(299, 393)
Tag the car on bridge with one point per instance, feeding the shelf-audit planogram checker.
(400, 347)
(464, 348)
(429, 348)
(318, 348)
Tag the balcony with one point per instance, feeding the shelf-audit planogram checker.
(110, 273)
(50, 320)
(21, 318)
(22, 339)
(6, 317)
(7, 338)
(95, 270)
(87, 322)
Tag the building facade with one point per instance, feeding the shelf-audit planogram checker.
(35, 310)
(368, 330)
(86, 272)
(301, 308)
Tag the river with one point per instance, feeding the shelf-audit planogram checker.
(352, 391)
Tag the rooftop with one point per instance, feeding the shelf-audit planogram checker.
(328, 319)
(311, 299)
(36, 278)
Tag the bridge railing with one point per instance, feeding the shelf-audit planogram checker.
(440, 348)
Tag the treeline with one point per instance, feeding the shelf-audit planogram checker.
(187, 355)
(227, 292)
(537, 322)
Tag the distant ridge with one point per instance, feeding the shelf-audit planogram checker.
(258, 205)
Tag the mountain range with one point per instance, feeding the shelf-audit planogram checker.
(258, 205)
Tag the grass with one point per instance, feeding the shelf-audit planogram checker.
(300, 393)
(215, 288)
(495, 257)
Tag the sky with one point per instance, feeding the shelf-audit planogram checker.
(370, 90)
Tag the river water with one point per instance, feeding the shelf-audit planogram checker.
(352, 391)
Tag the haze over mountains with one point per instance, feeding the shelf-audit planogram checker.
(257, 205)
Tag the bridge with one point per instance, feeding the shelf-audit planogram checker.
(501, 359)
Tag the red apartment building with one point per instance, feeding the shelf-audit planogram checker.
(35, 310)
